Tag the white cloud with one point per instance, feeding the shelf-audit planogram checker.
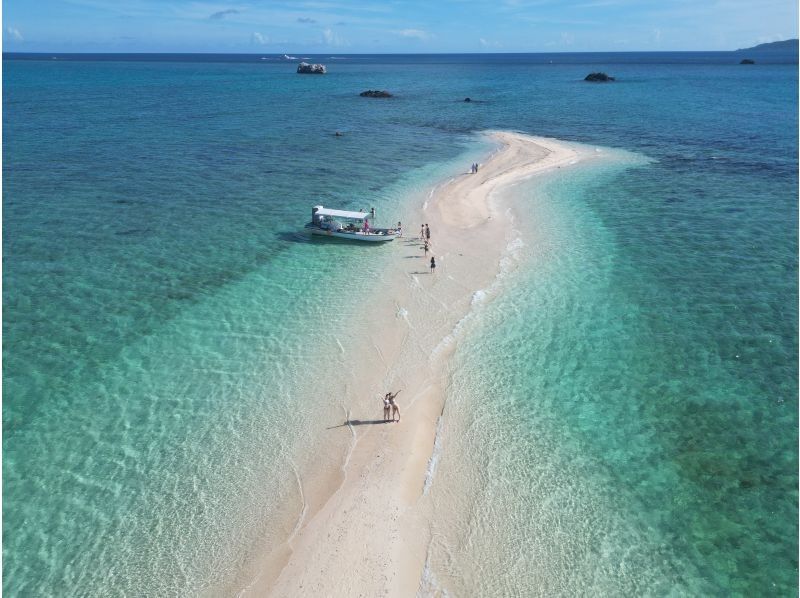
(332, 39)
(485, 43)
(257, 38)
(415, 33)
(14, 33)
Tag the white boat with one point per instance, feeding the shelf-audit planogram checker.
(347, 225)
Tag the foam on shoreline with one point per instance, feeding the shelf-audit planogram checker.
(368, 533)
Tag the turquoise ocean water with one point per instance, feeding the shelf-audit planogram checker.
(622, 416)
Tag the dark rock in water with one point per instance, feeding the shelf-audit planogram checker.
(374, 93)
(311, 69)
(467, 100)
(598, 77)
(747, 61)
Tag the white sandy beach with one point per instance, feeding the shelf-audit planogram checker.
(364, 531)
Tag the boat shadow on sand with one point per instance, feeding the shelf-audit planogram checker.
(360, 422)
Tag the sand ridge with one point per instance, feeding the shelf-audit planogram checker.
(367, 535)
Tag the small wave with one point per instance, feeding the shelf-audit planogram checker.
(430, 472)
(287, 57)
(515, 245)
(478, 296)
(443, 344)
(428, 584)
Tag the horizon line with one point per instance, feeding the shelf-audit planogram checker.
(388, 53)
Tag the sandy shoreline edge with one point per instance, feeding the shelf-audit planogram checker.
(367, 532)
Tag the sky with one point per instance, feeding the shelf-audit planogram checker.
(393, 26)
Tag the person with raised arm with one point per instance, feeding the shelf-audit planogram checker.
(395, 408)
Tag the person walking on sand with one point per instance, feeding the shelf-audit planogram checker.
(433, 264)
(426, 248)
(427, 233)
(421, 232)
(395, 408)
(386, 407)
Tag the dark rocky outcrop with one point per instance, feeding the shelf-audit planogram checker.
(374, 93)
(747, 61)
(598, 77)
(311, 69)
(467, 100)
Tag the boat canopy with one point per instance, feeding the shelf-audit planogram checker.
(320, 211)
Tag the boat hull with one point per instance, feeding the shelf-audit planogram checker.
(379, 237)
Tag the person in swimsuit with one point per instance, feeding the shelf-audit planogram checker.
(427, 233)
(433, 264)
(386, 407)
(421, 232)
(426, 248)
(395, 408)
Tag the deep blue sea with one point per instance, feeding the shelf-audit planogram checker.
(625, 413)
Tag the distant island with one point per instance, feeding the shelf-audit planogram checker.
(786, 46)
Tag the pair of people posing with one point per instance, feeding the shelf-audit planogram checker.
(390, 405)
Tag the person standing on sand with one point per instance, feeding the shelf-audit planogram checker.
(399, 229)
(395, 408)
(427, 233)
(426, 248)
(386, 407)
(422, 232)
(433, 264)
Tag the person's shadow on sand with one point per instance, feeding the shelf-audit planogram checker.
(360, 422)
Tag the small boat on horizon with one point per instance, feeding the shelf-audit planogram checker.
(344, 224)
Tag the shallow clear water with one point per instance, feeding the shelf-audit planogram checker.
(634, 407)
(596, 437)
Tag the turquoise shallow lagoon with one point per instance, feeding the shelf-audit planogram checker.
(629, 395)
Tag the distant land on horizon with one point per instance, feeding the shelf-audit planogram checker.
(787, 45)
